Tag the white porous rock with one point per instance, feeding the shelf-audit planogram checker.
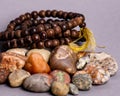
(44, 52)
(82, 62)
(98, 74)
(17, 77)
(21, 51)
(104, 60)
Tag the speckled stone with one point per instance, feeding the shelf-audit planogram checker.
(104, 60)
(82, 62)
(73, 89)
(98, 74)
(82, 80)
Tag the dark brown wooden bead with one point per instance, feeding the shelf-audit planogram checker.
(28, 15)
(43, 35)
(6, 35)
(71, 15)
(13, 22)
(67, 33)
(40, 45)
(59, 14)
(11, 26)
(50, 21)
(35, 22)
(18, 34)
(48, 43)
(62, 41)
(40, 28)
(55, 42)
(50, 33)
(28, 23)
(33, 30)
(74, 22)
(65, 14)
(35, 38)
(59, 35)
(79, 20)
(70, 25)
(6, 45)
(27, 40)
(11, 35)
(57, 30)
(54, 24)
(34, 14)
(53, 13)
(83, 25)
(20, 42)
(18, 21)
(22, 17)
(42, 21)
(74, 34)
(24, 33)
(64, 27)
(13, 43)
(47, 26)
(33, 46)
(48, 13)
(68, 40)
(42, 13)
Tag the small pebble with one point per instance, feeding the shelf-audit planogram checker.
(73, 89)
(17, 77)
(59, 88)
(82, 62)
(82, 80)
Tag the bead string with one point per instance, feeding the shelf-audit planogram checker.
(32, 30)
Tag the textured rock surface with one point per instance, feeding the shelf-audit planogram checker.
(12, 61)
(3, 75)
(36, 64)
(73, 89)
(82, 62)
(17, 77)
(63, 58)
(82, 80)
(104, 60)
(59, 88)
(21, 51)
(98, 74)
(38, 82)
(60, 76)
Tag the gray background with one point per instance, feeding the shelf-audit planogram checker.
(102, 17)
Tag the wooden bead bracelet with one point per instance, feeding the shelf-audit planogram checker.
(31, 30)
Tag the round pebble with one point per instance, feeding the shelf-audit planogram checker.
(38, 82)
(59, 88)
(82, 80)
(17, 77)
